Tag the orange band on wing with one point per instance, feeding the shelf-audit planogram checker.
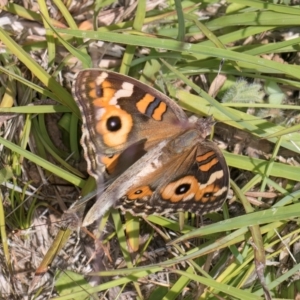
(207, 161)
(110, 162)
(152, 107)
(143, 104)
(189, 189)
(138, 193)
(207, 194)
(107, 92)
(181, 190)
(119, 137)
(92, 92)
(159, 111)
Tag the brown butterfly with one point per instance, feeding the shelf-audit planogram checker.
(166, 165)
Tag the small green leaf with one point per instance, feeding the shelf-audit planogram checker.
(69, 282)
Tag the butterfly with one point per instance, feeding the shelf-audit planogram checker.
(159, 158)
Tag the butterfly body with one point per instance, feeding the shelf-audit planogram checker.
(162, 160)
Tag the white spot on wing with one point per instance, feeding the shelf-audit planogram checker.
(152, 167)
(101, 78)
(214, 176)
(126, 91)
(99, 112)
(127, 86)
(188, 197)
(221, 191)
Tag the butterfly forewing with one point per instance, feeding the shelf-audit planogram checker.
(119, 111)
(121, 114)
